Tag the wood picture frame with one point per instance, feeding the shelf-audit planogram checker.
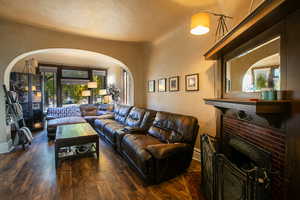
(151, 86)
(174, 84)
(192, 82)
(162, 85)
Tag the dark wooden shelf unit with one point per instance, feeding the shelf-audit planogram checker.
(258, 107)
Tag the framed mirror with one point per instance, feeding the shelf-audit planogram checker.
(255, 70)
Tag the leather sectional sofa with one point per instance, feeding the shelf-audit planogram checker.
(159, 145)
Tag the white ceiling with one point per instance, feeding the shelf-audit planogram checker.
(126, 20)
(273, 60)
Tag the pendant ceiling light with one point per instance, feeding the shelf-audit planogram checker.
(200, 24)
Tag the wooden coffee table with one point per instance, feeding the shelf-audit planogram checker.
(75, 135)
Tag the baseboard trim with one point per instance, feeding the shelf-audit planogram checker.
(6, 147)
(197, 154)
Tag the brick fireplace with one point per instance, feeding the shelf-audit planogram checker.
(270, 139)
(241, 120)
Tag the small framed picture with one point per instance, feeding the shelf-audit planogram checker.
(192, 82)
(174, 84)
(162, 85)
(151, 86)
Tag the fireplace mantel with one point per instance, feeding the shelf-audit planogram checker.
(258, 107)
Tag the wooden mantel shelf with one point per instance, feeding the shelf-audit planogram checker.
(258, 107)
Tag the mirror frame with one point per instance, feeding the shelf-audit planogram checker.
(269, 34)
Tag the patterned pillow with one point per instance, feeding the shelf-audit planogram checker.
(60, 112)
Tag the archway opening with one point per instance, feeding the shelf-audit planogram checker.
(80, 58)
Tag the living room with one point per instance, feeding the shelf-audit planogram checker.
(159, 106)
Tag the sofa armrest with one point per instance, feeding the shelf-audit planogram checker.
(130, 129)
(161, 151)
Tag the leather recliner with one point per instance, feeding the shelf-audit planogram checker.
(165, 150)
(107, 127)
(113, 130)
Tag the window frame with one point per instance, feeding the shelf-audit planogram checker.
(59, 77)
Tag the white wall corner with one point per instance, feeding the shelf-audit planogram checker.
(197, 154)
(6, 146)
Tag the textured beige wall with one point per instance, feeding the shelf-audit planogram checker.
(17, 39)
(177, 54)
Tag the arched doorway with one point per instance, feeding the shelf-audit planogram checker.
(78, 52)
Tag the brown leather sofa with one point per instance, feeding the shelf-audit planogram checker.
(126, 119)
(159, 151)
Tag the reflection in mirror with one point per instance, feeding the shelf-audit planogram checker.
(255, 70)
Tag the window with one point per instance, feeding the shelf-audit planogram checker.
(99, 76)
(71, 92)
(125, 87)
(62, 87)
(49, 89)
(67, 73)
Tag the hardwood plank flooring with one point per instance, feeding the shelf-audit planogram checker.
(31, 175)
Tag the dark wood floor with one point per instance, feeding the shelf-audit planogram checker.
(31, 175)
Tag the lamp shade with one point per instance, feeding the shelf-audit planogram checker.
(33, 88)
(102, 92)
(200, 24)
(92, 84)
(107, 99)
(86, 93)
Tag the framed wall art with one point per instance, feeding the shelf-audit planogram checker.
(162, 85)
(174, 84)
(192, 82)
(151, 86)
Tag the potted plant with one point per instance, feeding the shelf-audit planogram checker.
(114, 92)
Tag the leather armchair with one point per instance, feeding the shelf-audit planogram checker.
(165, 150)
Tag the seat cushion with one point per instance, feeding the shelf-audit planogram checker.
(134, 147)
(100, 123)
(110, 131)
(65, 120)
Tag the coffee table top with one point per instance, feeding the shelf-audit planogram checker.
(75, 131)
